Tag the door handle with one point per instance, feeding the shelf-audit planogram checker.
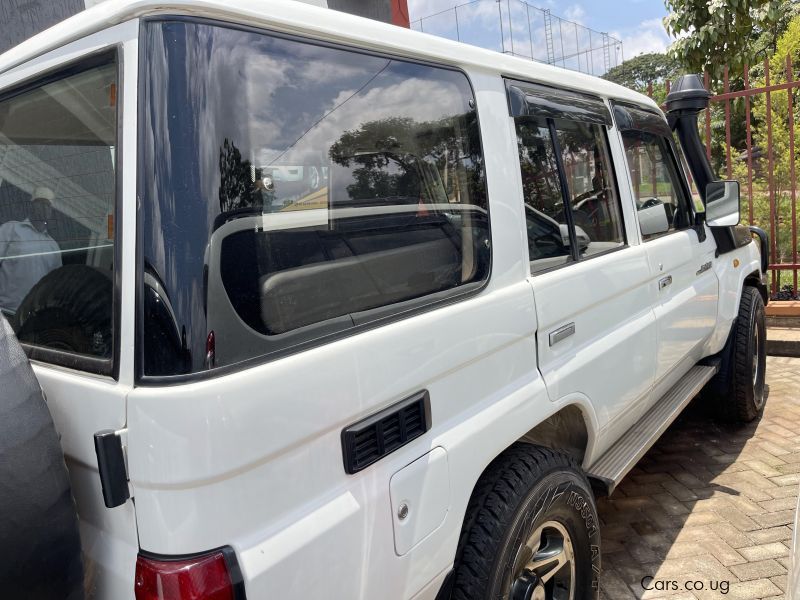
(664, 282)
(562, 333)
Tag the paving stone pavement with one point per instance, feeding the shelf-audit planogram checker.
(710, 503)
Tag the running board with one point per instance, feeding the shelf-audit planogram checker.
(610, 468)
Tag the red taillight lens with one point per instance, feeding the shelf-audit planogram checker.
(200, 578)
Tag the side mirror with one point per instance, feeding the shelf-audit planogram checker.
(653, 219)
(722, 203)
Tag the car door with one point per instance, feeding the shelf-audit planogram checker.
(597, 334)
(679, 253)
(61, 235)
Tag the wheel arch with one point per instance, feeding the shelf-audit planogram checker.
(569, 429)
(734, 271)
(566, 431)
(550, 426)
(755, 280)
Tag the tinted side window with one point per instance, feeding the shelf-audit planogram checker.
(588, 185)
(545, 217)
(661, 202)
(292, 191)
(57, 194)
(593, 194)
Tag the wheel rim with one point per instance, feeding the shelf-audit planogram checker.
(544, 567)
(758, 388)
(755, 356)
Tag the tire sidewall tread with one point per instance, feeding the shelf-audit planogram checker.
(516, 481)
(732, 390)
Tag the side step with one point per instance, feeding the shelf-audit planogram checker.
(626, 452)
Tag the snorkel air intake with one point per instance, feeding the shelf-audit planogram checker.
(686, 99)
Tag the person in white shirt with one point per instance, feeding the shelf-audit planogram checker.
(27, 252)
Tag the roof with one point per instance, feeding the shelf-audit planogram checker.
(297, 17)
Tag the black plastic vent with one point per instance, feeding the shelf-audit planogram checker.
(371, 439)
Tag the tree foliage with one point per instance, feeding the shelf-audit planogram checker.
(238, 187)
(778, 142)
(636, 73)
(452, 144)
(713, 33)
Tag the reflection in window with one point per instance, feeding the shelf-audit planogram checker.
(305, 190)
(545, 218)
(593, 196)
(594, 205)
(57, 191)
(660, 202)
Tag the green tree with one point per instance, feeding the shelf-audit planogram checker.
(636, 73)
(778, 144)
(788, 45)
(236, 187)
(713, 33)
(451, 143)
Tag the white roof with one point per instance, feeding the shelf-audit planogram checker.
(297, 17)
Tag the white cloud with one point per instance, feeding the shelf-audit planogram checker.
(418, 9)
(480, 25)
(648, 36)
(575, 13)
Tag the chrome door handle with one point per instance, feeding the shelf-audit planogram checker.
(664, 282)
(562, 333)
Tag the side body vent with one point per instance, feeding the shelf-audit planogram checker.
(371, 439)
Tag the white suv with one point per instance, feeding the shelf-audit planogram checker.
(407, 380)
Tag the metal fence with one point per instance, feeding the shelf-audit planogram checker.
(518, 28)
(764, 160)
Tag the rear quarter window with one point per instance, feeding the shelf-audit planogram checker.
(58, 177)
(294, 191)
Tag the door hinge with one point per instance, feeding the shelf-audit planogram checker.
(111, 465)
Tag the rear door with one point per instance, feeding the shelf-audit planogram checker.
(679, 260)
(65, 283)
(275, 317)
(596, 336)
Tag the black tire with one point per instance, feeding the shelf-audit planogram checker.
(69, 309)
(40, 550)
(524, 489)
(737, 391)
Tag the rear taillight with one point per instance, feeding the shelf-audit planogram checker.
(203, 577)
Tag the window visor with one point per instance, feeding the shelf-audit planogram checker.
(528, 99)
(634, 118)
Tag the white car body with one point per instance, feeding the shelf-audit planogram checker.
(793, 583)
(253, 460)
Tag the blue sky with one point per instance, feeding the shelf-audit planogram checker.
(636, 22)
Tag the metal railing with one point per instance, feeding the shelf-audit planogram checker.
(764, 163)
(521, 29)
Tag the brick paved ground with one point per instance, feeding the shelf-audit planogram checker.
(710, 503)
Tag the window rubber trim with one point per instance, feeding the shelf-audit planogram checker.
(565, 198)
(458, 294)
(583, 259)
(111, 54)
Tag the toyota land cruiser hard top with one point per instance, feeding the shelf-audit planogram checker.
(327, 308)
